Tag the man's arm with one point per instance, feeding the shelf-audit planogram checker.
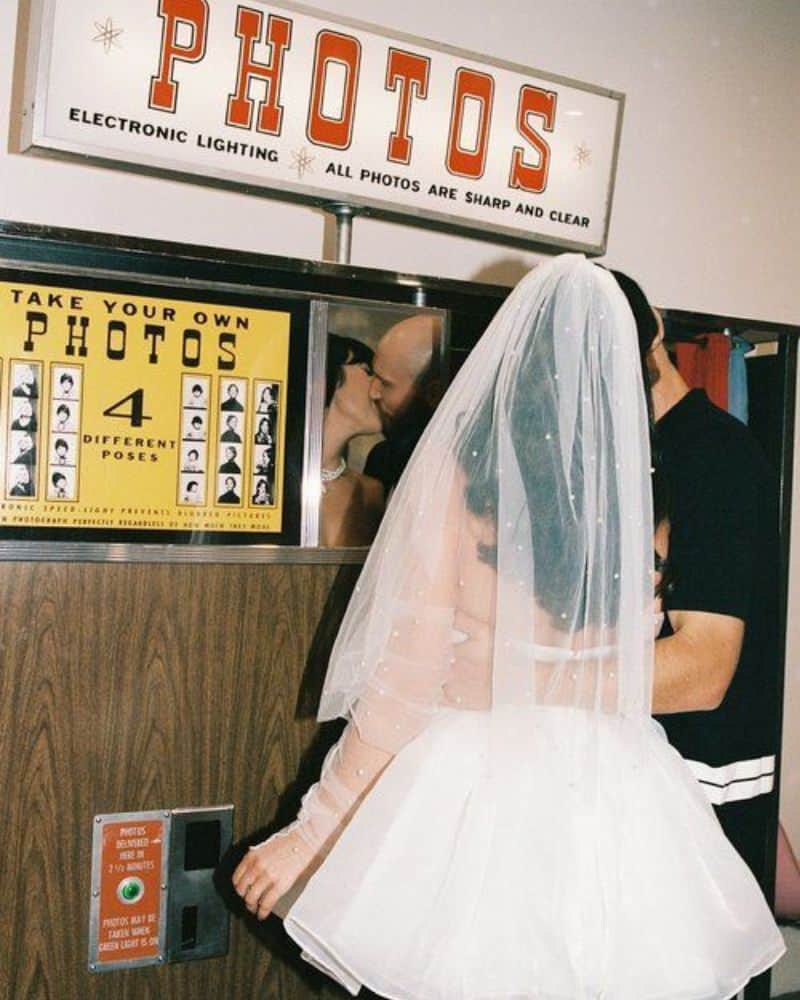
(695, 666)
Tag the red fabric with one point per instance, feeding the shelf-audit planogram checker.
(704, 365)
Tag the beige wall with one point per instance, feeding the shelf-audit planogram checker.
(706, 208)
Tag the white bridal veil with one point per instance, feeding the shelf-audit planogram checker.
(514, 565)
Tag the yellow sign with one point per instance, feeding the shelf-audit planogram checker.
(124, 411)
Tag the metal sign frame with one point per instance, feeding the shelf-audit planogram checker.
(121, 543)
(35, 141)
(100, 822)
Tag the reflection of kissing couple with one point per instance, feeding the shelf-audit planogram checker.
(392, 392)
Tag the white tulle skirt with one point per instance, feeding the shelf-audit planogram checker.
(491, 861)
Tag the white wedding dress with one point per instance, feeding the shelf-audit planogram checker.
(502, 819)
(456, 880)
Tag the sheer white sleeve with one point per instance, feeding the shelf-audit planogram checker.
(400, 699)
(400, 693)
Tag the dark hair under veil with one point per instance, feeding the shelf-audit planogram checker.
(481, 489)
(646, 331)
(558, 538)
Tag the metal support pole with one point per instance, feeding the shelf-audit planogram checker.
(344, 215)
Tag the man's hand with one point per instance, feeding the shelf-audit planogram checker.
(695, 666)
(269, 870)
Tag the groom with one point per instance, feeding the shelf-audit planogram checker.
(405, 388)
(716, 679)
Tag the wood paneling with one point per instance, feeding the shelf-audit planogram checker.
(130, 687)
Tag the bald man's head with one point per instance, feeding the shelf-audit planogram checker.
(402, 367)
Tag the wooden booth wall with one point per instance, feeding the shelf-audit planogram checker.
(133, 687)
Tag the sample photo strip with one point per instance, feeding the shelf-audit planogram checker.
(64, 450)
(66, 387)
(193, 488)
(24, 415)
(231, 428)
(263, 434)
(64, 419)
(194, 426)
(20, 483)
(22, 450)
(232, 395)
(25, 380)
(232, 409)
(194, 407)
(195, 392)
(193, 456)
(60, 483)
(231, 455)
(231, 446)
(67, 382)
(229, 490)
(267, 401)
(267, 396)
(23, 429)
(193, 474)
(261, 493)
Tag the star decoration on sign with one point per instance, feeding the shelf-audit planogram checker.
(301, 162)
(583, 155)
(107, 34)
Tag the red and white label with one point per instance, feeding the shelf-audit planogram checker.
(130, 875)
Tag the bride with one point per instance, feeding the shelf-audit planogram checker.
(502, 818)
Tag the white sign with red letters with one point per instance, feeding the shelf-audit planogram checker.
(288, 100)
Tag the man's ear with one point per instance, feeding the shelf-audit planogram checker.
(433, 392)
(658, 340)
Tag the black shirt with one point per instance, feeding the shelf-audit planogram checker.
(723, 557)
(388, 459)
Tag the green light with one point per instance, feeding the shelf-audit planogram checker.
(130, 889)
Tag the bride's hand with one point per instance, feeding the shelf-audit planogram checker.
(269, 870)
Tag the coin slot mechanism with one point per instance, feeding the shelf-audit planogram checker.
(202, 847)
